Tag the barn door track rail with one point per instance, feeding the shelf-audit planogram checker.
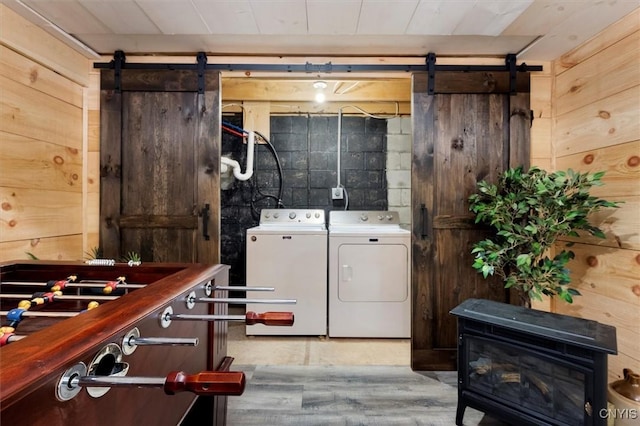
(118, 63)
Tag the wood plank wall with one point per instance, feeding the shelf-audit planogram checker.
(596, 127)
(43, 187)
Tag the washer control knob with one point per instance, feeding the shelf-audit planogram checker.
(389, 217)
(292, 215)
(276, 215)
(308, 215)
(317, 215)
(380, 217)
(267, 215)
(364, 217)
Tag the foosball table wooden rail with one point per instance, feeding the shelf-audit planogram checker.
(64, 362)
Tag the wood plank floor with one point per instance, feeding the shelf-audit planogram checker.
(319, 381)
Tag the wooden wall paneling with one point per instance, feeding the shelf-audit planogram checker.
(65, 247)
(541, 85)
(541, 89)
(30, 163)
(35, 43)
(595, 127)
(93, 106)
(22, 70)
(604, 122)
(93, 130)
(621, 164)
(621, 29)
(628, 348)
(43, 133)
(29, 112)
(621, 226)
(613, 70)
(39, 213)
(607, 279)
(607, 272)
(92, 202)
(541, 144)
(92, 165)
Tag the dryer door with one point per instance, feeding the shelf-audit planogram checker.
(373, 272)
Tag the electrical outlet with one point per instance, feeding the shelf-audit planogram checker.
(337, 193)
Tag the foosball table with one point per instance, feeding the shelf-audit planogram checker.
(116, 344)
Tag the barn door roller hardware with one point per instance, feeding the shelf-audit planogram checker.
(202, 63)
(118, 64)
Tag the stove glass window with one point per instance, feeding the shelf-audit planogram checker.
(525, 379)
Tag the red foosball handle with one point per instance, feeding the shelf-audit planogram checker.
(270, 318)
(205, 383)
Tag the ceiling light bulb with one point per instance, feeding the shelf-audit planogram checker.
(319, 85)
(320, 97)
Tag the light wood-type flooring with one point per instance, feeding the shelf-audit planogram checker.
(327, 381)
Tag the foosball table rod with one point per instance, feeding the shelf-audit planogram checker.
(6, 338)
(240, 301)
(208, 383)
(88, 284)
(15, 316)
(37, 314)
(285, 319)
(241, 288)
(132, 340)
(250, 318)
(57, 297)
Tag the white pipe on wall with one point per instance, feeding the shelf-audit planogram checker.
(237, 170)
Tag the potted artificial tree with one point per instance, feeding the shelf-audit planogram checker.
(529, 211)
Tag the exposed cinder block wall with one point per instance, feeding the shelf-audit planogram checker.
(399, 167)
(307, 150)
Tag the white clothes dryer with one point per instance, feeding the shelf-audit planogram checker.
(369, 275)
(288, 251)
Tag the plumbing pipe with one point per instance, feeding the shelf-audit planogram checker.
(339, 144)
(237, 170)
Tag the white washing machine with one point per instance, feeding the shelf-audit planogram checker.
(288, 251)
(369, 275)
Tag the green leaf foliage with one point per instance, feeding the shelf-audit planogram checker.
(528, 212)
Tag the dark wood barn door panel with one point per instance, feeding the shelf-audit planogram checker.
(459, 139)
(160, 153)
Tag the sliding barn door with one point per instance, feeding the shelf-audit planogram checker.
(461, 135)
(159, 162)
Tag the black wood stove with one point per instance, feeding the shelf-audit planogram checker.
(529, 367)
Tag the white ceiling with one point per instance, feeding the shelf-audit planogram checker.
(535, 29)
